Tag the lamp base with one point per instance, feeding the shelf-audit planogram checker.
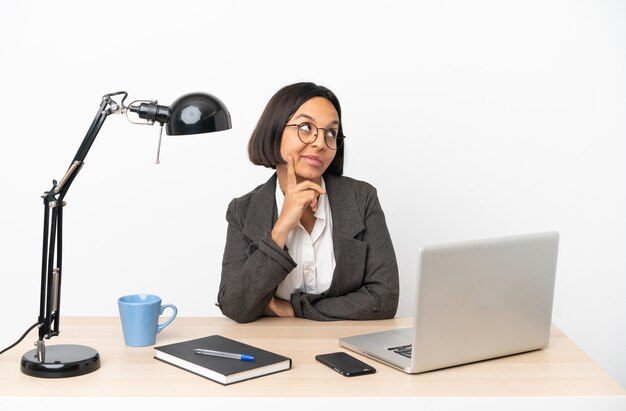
(61, 361)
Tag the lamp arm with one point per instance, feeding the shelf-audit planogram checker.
(50, 295)
(107, 106)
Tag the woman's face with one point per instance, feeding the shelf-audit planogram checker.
(311, 160)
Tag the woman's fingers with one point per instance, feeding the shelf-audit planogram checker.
(308, 186)
(291, 173)
(307, 197)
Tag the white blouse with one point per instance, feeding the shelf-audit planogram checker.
(313, 253)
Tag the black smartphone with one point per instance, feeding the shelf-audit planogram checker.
(345, 364)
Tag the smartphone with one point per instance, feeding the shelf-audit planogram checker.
(345, 364)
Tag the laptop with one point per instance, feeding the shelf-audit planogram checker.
(474, 300)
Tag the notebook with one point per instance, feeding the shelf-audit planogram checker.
(219, 369)
(474, 300)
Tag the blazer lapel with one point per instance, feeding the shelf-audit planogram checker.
(350, 252)
(347, 219)
(258, 220)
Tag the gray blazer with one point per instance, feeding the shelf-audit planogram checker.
(365, 282)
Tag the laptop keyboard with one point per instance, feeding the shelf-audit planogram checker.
(403, 350)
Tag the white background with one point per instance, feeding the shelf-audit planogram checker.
(473, 119)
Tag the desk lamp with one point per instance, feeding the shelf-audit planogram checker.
(190, 114)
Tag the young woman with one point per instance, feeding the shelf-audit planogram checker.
(309, 242)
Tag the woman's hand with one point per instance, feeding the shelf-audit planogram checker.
(279, 308)
(297, 198)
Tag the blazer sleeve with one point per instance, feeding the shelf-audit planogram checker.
(370, 289)
(251, 270)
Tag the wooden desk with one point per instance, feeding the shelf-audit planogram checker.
(561, 369)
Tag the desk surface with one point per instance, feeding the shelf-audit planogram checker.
(561, 369)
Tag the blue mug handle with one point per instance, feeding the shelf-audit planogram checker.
(160, 327)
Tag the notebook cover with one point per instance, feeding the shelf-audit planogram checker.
(227, 367)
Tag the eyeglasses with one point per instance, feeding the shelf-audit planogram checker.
(307, 133)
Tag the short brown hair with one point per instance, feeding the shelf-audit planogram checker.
(264, 144)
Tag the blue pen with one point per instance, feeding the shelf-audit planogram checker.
(242, 357)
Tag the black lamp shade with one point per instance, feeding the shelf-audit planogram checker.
(196, 113)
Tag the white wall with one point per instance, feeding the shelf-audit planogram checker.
(473, 119)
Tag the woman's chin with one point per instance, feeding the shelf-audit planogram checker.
(312, 176)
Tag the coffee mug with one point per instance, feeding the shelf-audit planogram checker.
(139, 314)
